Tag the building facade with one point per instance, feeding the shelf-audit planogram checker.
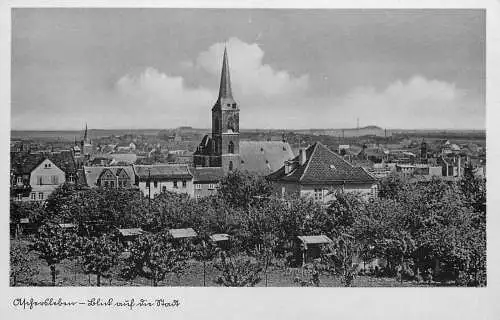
(156, 179)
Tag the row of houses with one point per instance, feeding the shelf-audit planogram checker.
(313, 173)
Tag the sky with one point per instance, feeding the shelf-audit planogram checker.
(290, 69)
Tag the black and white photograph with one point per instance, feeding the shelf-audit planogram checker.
(223, 147)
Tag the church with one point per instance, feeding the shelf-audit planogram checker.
(224, 150)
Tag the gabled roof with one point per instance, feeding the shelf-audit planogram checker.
(322, 166)
(264, 157)
(92, 174)
(163, 171)
(24, 163)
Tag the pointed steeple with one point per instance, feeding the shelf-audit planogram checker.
(85, 134)
(225, 91)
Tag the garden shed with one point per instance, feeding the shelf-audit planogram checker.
(128, 235)
(310, 247)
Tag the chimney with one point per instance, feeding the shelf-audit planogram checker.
(302, 156)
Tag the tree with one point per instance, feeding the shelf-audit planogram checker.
(155, 256)
(238, 272)
(21, 266)
(97, 255)
(206, 251)
(19, 210)
(240, 189)
(53, 245)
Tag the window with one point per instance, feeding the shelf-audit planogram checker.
(318, 194)
(211, 186)
(230, 166)
(106, 184)
(19, 180)
(39, 180)
(70, 178)
(54, 180)
(230, 147)
(19, 197)
(375, 191)
(175, 183)
(184, 183)
(47, 165)
(40, 195)
(33, 196)
(197, 186)
(112, 184)
(164, 189)
(156, 184)
(234, 105)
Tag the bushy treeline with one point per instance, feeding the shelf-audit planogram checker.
(436, 229)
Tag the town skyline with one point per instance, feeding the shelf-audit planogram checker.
(414, 76)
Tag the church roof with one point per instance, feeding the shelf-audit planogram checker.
(264, 157)
(225, 91)
(322, 166)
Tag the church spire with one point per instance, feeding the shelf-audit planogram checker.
(225, 91)
(85, 134)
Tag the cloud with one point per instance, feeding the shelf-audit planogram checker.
(418, 101)
(153, 87)
(250, 77)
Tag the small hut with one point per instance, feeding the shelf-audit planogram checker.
(311, 246)
(126, 236)
(221, 240)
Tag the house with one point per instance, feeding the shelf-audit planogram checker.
(34, 176)
(109, 177)
(155, 179)
(206, 180)
(316, 171)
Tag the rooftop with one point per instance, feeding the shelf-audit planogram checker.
(264, 157)
(321, 239)
(322, 166)
(182, 233)
(162, 171)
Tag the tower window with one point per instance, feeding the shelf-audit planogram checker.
(230, 147)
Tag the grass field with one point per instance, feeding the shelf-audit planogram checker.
(70, 274)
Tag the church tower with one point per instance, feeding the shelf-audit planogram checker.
(226, 124)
